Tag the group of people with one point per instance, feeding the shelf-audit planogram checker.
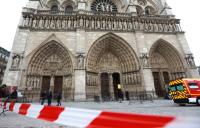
(49, 97)
(11, 95)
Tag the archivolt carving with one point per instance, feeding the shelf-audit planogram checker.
(114, 48)
(165, 56)
(51, 58)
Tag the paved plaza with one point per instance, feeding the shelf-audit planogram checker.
(157, 107)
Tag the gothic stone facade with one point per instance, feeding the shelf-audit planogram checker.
(84, 48)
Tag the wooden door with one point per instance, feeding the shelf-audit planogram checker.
(45, 83)
(58, 83)
(105, 86)
(157, 84)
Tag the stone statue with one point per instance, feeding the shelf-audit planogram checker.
(81, 22)
(190, 60)
(86, 23)
(52, 24)
(15, 62)
(98, 24)
(47, 22)
(75, 23)
(145, 59)
(34, 23)
(58, 24)
(69, 23)
(26, 22)
(41, 23)
(80, 61)
(63, 23)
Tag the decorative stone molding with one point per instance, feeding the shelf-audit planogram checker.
(44, 20)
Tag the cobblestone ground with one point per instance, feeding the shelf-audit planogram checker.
(158, 107)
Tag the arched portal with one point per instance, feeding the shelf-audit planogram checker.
(50, 69)
(110, 55)
(166, 64)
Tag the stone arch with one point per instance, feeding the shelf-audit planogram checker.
(166, 64)
(119, 46)
(110, 54)
(50, 68)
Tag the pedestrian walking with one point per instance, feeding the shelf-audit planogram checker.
(43, 97)
(49, 98)
(59, 97)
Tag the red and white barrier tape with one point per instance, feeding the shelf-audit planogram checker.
(84, 118)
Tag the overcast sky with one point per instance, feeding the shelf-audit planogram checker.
(187, 11)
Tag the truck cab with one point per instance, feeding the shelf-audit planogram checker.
(185, 91)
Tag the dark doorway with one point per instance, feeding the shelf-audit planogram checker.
(58, 82)
(166, 77)
(116, 81)
(45, 83)
(157, 84)
(105, 94)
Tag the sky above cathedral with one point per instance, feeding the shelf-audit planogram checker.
(187, 11)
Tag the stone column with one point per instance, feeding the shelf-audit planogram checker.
(111, 90)
(52, 84)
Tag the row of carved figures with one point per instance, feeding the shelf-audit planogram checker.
(92, 80)
(33, 82)
(131, 79)
(99, 23)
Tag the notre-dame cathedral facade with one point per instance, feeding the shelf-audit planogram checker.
(82, 48)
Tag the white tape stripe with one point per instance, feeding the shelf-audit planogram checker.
(184, 123)
(7, 106)
(34, 111)
(77, 117)
(16, 108)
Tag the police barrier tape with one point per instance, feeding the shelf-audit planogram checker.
(83, 118)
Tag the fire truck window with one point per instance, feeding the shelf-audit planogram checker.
(193, 86)
(180, 87)
(173, 88)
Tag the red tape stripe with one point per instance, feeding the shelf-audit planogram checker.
(50, 113)
(23, 109)
(123, 120)
(12, 104)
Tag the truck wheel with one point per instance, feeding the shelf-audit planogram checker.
(198, 101)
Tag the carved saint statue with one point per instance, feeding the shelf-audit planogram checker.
(80, 61)
(145, 59)
(190, 60)
(15, 62)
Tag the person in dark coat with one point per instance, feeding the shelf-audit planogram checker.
(59, 97)
(49, 98)
(14, 95)
(43, 97)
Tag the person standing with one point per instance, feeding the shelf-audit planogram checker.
(43, 97)
(59, 97)
(49, 98)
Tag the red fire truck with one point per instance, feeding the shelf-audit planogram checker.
(185, 91)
